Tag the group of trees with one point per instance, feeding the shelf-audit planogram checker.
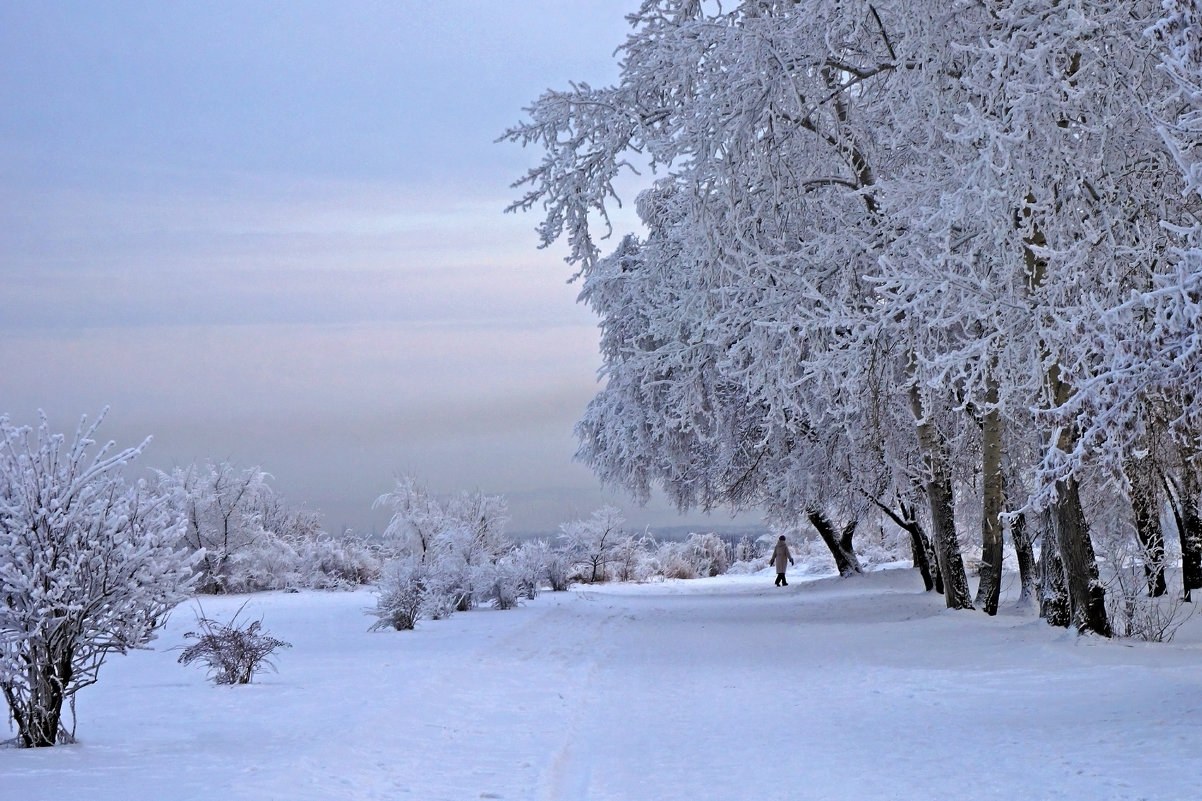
(249, 539)
(928, 260)
(447, 554)
(91, 563)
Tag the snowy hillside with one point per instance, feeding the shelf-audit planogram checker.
(726, 688)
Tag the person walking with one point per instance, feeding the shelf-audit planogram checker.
(781, 555)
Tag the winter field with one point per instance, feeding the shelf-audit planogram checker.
(725, 688)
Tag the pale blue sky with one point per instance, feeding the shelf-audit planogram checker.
(272, 232)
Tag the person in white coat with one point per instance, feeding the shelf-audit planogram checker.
(781, 558)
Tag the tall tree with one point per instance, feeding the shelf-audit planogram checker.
(763, 121)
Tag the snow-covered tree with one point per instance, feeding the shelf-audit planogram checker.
(1037, 211)
(400, 595)
(250, 539)
(88, 567)
(592, 543)
(723, 327)
(417, 517)
(892, 250)
(224, 507)
(459, 539)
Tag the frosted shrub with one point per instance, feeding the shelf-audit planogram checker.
(878, 546)
(250, 540)
(266, 563)
(448, 588)
(1131, 611)
(401, 595)
(558, 567)
(233, 653)
(709, 553)
(630, 562)
(1139, 617)
(497, 584)
(274, 562)
(675, 561)
(88, 568)
(337, 562)
(529, 562)
(747, 550)
(699, 556)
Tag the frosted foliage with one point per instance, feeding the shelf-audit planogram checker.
(870, 227)
(592, 544)
(738, 369)
(468, 525)
(223, 506)
(1180, 30)
(400, 595)
(698, 556)
(88, 568)
(249, 539)
(459, 543)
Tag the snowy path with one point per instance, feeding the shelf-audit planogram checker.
(718, 689)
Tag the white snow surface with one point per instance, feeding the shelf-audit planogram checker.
(726, 688)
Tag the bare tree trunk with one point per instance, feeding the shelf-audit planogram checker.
(1145, 508)
(920, 545)
(1026, 559)
(1184, 502)
(840, 546)
(1053, 594)
(848, 549)
(989, 589)
(943, 520)
(38, 710)
(1087, 596)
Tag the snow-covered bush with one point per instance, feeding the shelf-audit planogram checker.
(233, 653)
(878, 545)
(710, 553)
(747, 550)
(329, 562)
(498, 583)
(401, 595)
(322, 562)
(448, 588)
(250, 540)
(267, 563)
(698, 556)
(529, 563)
(632, 558)
(1132, 610)
(558, 567)
(591, 542)
(751, 555)
(459, 541)
(88, 567)
(673, 562)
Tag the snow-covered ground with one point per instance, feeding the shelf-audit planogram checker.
(727, 688)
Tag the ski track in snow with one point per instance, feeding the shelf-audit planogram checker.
(720, 689)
